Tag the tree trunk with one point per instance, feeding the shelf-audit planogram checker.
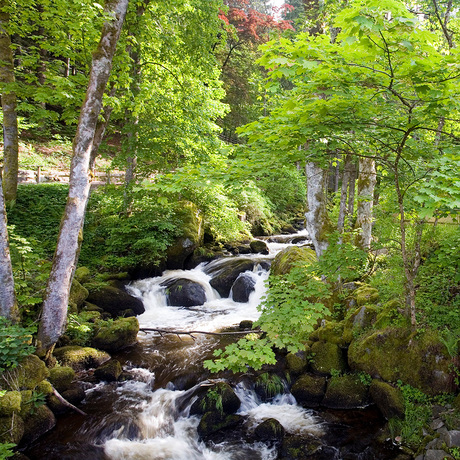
(8, 304)
(366, 184)
(10, 120)
(347, 170)
(316, 217)
(54, 315)
(351, 195)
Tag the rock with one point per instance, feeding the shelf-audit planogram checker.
(364, 316)
(437, 454)
(327, 358)
(44, 387)
(394, 354)
(366, 295)
(388, 399)
(61, 377)
(242, 287)
(27, 375)
(10, 403)
(211, 422)
(185, 293)
(82, 275)
(191, 238)
(452, 438)
(80, 358)
(120, 334)
(345, 392)
(224, 275)
(74, 395)
(296, 363)
(390, 316)
(301, 448)
(221, 398)
(78, 295)
(456, 402)
(37, 423)
(109, 371)
(268, 385)
(332, 332)
(258, 247)
(309, 390)
(269, 430)
(114, 300)
(11, 429)
(285, 259)
(246, 324)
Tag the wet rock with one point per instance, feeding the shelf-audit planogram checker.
(268, 385)
(221, 398)
(80, 358)
(74, 395)
(258, 247)
(327, 358)
(245, 324)
(11, 429)
(345, 392)
(10, 403)
(37, 423)
(242, 287)
(309, 390)
(120, 425)
(300, 448)
(223, 276)
(114, 300)
(388, 399)
(296, 363)
(120, 334)
(27, 375)
(285, 259)
(212, 422)
(185, 293)
(109, 371)
(269, 430)
(61, 377)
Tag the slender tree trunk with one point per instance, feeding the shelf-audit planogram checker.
(10, 120)
(366, 185)
(54, 314)
(8, 305)
(351, 195)
(347, 167)
(316, 217)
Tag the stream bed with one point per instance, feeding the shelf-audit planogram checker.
(147, 416)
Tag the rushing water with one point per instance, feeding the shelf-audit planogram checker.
(148, 416)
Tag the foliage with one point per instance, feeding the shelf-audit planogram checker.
(37, 399)
(272, 384)
(6, 450)
(15, 344)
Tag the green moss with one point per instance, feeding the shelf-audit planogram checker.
(45, 388)
(388, 399)
(10, 403)
(61, 377)
(11, 429)
(29, 373)
(82, 274)
(309, 390)
(390, 315)
(78, 295)
(366, 295)
(26, 402)
(118, 335)
(296, 362)
(285, 259)
(345, 392)
(80, 358)
(109, 371)
(327, 358)
(330, 331)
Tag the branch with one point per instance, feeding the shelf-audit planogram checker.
(443, 24)
(66, 403)
(168, 70)
(190, 333)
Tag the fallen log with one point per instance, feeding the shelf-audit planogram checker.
(190, 333)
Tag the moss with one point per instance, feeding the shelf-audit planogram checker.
(118, 335)
(327, 357)
(80, 358)
(211, 422)
(29, 373)
(309, 390)
(366, 295)
(37, 423)
(44, 387)
(10, 403)
(77, 296)
(394, 354)
(330, 331)
(61, 377)
(82, 275)
(26, 402)
(390, 315)
(345, 392)
(269, 430)
(296, 363)
(109, 371)
(388, 399)
(11, 429)
(285, 259)
(456, 403)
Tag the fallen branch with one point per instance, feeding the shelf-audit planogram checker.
(190, 333)
(66, 403)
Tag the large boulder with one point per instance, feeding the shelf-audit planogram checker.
(37, 423)
(77, 296)
(109, 371)
(191, 237)
(120, 334)
(80, 358)
(345, 392)
(258, 247)
(393, 354)
(183, 292)
(388, 399)
(287, 258)
(61, 377)
(328, 357)
(243, 287)
(223, 275)
(220, 398)
(114, 300)
(270, 430)
(27, 375)
(212, 422)
(309, 390)
(11, 429)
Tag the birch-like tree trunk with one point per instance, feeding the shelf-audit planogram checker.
(10, 120)
(347, 172)
(54, 315)
(366, 185)
(351, 195)
(8, 305)
(316, 217)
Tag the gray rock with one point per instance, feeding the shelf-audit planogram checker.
(185, 293)
(243, 287)
(436, 455)
(452, 438)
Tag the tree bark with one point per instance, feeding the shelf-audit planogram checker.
(347, 170)
(10, 120)
(366, 185)
(351, 195)
(316, 217)
(8, 305)
(54, 315)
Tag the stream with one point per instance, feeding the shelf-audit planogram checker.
(147, 416)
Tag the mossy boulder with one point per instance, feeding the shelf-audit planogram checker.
(366, 295)
(212, 422)
(10, 403)
(297, 363)
(393, 354)
(27, 403)
(268, 385)
(120, 334)
(388, 399)
(332, 332)
(11, 429)
(82, 275)
(269, 430)
(258, 247)
(109, 371)
(302, 448)
(78, 295)
(345, 392)
(309, 390)
(44, 387)
(114, 300)
(27, 375)
(37, 423)
(192, 235)
(220, 398)
(327, 357)
(285, 259)
(390, 315)
(61, 377)
(80, 358)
